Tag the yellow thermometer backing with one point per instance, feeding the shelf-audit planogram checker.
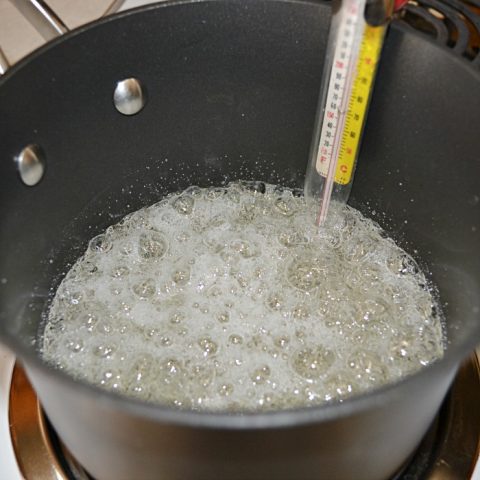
(362, 85)
(368, 57)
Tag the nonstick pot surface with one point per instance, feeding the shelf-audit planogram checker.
(221, 108)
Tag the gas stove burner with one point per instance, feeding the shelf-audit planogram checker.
(448, 451)
(39, 452)
(451, 23)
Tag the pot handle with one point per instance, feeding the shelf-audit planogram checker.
(46, 21)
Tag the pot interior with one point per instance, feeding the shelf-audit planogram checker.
(232, 92)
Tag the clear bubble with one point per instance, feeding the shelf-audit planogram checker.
(357, 251)
(141, 367)
(217, 221)
(292, 239)
(75, 346)
(240, 278)
(203, 375)
(140, 220)
(270, 401)
(361, 336)
(89, 268)
(104, 350)
(116, 290)
(177, 317)
(306, 274)
(339, 387)
(372, 308)
(53, 330)
(301, 312)
(425, 305)
(172, 371)
(181, 276)
(183, 237)
(367, 365)
(126, 248)
(214, 193)
(281, 341)
(275, 301)
(260, 375)
(233, 194)
(103, 326)
(145, 289)
(245, 248)
(247, 213)
(401, 346)
(402, 264)
(223, 317)
(164, 341)
(74, 297)
(119, 271)
(208, 346)
(313, 363)
(285, 206)
(150, 333)
(184, 204)
(152, 246)
(141, 375)
(214, 244)
(89, 321)
(194, 191)
(254, 186)
(429, 348)
(235, 339)
(100, 244)
(226, 389)
(123, 328)
(112, 380)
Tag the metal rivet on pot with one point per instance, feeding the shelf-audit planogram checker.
(129, 96)
(31, 164)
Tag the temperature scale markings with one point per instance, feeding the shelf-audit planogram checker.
(347, 98)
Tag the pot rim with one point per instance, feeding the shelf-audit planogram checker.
(389, 393)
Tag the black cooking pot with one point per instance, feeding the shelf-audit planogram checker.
(232, 90)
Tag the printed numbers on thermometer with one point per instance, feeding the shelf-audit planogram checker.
(348, 95)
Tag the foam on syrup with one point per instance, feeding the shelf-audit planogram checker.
(230, 299)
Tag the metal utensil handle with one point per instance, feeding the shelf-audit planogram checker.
(41, 17)
(46, 21)
(3, 62)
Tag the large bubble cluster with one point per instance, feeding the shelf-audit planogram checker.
(231, 299)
